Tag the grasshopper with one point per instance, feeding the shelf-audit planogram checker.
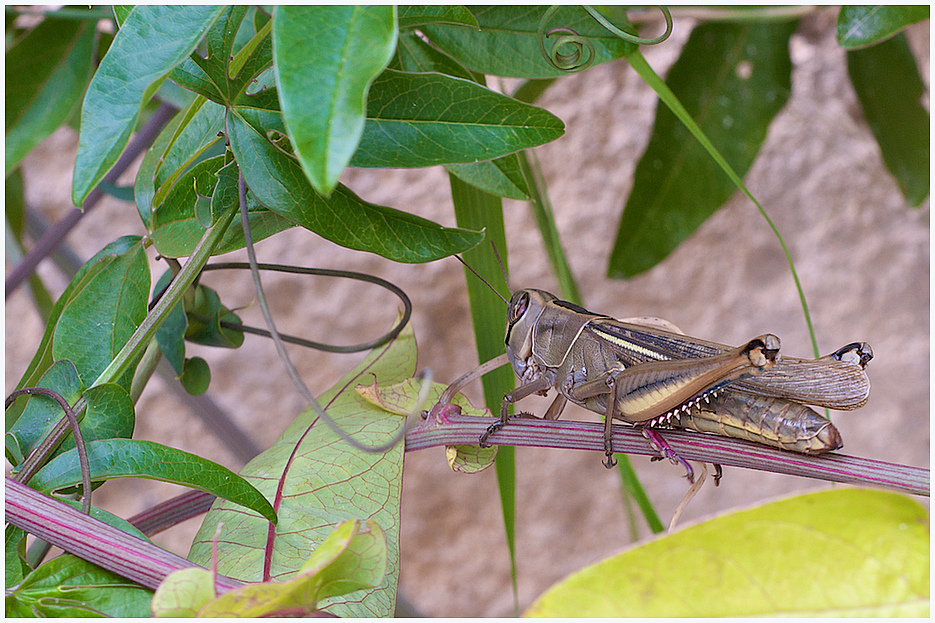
(647, 373)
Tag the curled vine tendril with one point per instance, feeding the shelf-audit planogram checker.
(579, 52)
(567, 39)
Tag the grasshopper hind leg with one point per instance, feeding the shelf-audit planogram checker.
(666, 452)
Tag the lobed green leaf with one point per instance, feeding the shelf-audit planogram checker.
(151, 41)
(418, 120)
(860, 26)
(890, 91)
(677, 185)
(133, 458)
(47, 71)
(325, 58)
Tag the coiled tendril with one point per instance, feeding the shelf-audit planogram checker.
(576, 59)
(569, 61)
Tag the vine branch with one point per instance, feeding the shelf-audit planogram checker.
(463, 429)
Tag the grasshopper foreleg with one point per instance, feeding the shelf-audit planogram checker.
(541, 384)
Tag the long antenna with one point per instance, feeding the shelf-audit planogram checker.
(476, 274)
(506, 279)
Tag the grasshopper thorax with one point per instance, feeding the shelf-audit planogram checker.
(525, 308)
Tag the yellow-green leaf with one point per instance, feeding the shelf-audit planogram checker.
(840, 552)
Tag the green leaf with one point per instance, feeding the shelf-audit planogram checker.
(732, 79)
(219, 42)
(204, 321)
(196, 377)
(418, 120)
(109, 518)
(176, 224)
(325, 59)
(403, 398)
(196, 133)
(121, 13)
(842, 552)
(144, 188)
(183, 592)
(85, 275)
(351, 558)
(47, 71)
(98, 320)
(109, 414)
(67, 586)
(890, 91)
(860, 26)
(15, 210)
(15, 207)
(40, 413)
(151, 41)
(279, 183)
(412, 16)
(319, 481)
(132, 458)
(221, 74)
(171, 333)
(507, 43)
(413, 54)
(502, 177)
(15, 568)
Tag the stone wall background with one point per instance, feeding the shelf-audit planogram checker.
(861, 252)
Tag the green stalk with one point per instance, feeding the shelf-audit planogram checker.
(545, 219)
(476, 209)
(137, 343)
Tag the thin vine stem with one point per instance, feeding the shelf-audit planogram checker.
(325, 272)
(47, 446)
(603, 21)
(284, 354)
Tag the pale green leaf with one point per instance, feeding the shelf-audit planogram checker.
(841, 552)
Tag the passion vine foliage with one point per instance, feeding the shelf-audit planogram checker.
(283, 101)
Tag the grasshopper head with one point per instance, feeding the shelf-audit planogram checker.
(525, 308)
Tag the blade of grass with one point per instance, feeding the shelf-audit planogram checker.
(545, 220)
(476, 209)
(529, 92)
(632, 486)
(639, 64)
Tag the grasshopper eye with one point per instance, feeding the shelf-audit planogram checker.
(519, 308)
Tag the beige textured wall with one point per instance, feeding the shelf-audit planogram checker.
(862, 255)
